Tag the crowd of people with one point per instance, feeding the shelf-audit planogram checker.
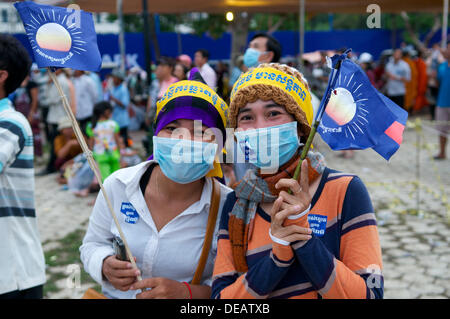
(266, 234)
(409, 76)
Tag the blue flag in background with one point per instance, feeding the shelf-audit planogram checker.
(60, 37)
(357, 116)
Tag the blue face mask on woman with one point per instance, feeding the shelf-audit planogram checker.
(184, 161)
(270, 147)
(251, 57)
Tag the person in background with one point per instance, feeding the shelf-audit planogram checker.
(164, 74)
(185, 60)
(86, 97)
(222, 80)
(442, 112)
(98, 85)
(164, 78)
(180, 71)
(128, 156)
(365, 61)
(56, 114)
(321, 72)
(137, 84)
(380, 77)
(72, 99)
(262, 48)
(119, 97)
(40, 77)
(238, 69)
(22, 263)
(66, 147)
(26, 102)
(208, 74)
(433, 61)
(398, 74)
(411, 85)
(103, 133)
(107, 85)
(422, 82)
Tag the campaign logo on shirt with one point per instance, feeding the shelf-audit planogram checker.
(318, 224)
(131, 215)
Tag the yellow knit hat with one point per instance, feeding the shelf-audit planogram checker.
(277, 82)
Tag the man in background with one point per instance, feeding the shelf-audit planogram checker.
(119, 97)
(262, 48)
(86, 97)
(442, 111)
(398, 74)
(208, 74)
(56, 113)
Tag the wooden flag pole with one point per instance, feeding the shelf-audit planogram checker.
(92, 163)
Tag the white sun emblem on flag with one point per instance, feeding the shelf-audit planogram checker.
(344, 107)
(51, 31)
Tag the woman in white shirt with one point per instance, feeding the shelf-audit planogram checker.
(164, 203)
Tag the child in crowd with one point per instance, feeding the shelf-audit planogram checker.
(128, 156)
(103, 133)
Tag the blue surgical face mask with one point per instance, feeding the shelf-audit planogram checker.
(183, 161)
(270, 147)
(251, 57)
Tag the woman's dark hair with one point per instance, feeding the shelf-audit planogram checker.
(165, 60)
(185, 69)
(99, 109)
(14, 59)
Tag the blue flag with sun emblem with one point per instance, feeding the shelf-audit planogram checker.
(60, 37)
(357, 116)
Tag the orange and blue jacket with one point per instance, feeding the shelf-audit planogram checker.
(341, 260)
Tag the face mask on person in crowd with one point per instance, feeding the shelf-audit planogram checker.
(183, 161)
(251, 57)
(270, 147)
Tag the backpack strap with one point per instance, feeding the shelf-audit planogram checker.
(213, 212)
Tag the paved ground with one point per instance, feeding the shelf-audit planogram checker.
(414, 231)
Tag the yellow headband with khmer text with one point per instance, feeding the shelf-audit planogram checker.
(273, 77)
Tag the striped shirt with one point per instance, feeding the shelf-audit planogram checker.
(22, 264)
(341, 260)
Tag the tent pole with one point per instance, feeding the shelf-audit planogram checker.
(393, 18)
(444, 25)
(121, 34)
(148, 61)
(301, 33)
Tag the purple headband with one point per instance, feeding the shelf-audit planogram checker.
(183, 110)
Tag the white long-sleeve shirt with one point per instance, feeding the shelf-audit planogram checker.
(209, 75)
(56, 111)
(86, 96)
(401, 70)
(173, 252)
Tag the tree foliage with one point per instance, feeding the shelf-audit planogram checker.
(215, 24)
